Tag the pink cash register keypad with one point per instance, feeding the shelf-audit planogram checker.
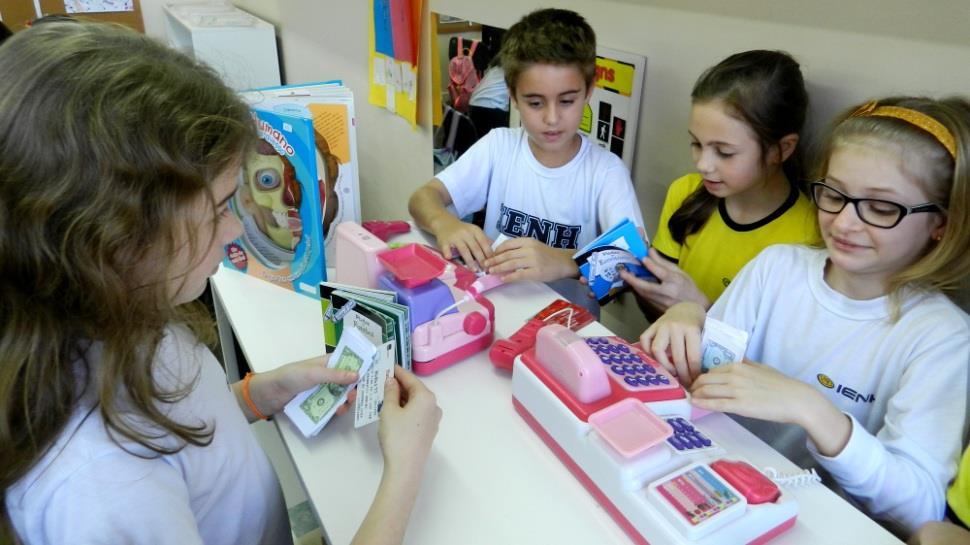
(629, 367)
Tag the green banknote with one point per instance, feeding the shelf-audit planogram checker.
(328, 394)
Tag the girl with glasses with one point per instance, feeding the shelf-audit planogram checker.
(857, 361)
(746, 117)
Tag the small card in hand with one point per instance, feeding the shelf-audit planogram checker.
(721, 344)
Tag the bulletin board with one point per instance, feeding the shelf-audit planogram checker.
(17, 13)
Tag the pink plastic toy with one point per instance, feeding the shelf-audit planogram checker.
(357, 251)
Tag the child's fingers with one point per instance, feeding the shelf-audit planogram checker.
(679, 356)
(640, 285)
(408, 381)
(646, 338)
(446, 248)
(392, 394)
(509, 262)
(693, 341)
(656, 268)
(517, 275)
(655, 255)
(334, 376)
(484, 244)
(466, 254)
(477, 253)
(659, 343)
(713, 404)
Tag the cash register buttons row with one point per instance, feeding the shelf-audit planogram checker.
(686, 437)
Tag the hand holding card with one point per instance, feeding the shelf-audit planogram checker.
(599, 261)
(312, 409)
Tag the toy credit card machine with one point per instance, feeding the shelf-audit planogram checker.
(450, 318)
(621, 423)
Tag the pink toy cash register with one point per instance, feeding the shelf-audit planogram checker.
(357, 250)
(450, 319)
(621, 424)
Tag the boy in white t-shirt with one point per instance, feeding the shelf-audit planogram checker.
(544, 185)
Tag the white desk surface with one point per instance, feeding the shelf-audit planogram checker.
(490, 478)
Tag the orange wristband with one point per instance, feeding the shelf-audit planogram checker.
(249, 400)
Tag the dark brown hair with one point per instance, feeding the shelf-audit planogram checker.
(763, 89)
(549, 36)
(106, 139)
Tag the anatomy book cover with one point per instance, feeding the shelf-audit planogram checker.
(279, 205)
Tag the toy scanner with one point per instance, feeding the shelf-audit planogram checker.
(450, 318)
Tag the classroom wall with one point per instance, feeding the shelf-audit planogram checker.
(848, 53)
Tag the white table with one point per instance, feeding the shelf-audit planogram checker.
(490, 478)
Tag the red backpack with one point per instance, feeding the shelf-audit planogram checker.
(464, 78)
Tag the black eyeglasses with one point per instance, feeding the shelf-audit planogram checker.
(875, 212)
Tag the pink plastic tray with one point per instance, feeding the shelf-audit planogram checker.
(630, 427)
(413, 264)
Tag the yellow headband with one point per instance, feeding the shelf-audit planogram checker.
(913, 117)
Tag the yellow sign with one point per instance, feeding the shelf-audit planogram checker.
(586, 125)
(614, 76)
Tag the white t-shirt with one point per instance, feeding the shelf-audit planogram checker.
(88, 490)
(903, 384)
(491, 91)
(563, 207)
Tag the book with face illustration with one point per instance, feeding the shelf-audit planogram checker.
(279, 205)
(329, 105)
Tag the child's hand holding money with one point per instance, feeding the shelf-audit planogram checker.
(674, 340)
(272, 390)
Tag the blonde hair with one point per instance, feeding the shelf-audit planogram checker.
(106, 138)
(944, 178)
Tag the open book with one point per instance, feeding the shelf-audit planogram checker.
(600, 259)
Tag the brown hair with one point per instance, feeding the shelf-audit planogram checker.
(763, 89)
(106, 138)
(944, 178)
(549, 36)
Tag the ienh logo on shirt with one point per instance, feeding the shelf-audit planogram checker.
(516, 223)
(847, 392)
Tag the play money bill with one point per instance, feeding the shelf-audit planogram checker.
(721, 344)
(328, 394)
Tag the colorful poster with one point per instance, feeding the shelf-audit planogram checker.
(610, 118)
(393, 59)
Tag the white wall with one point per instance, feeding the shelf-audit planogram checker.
(328, 38)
